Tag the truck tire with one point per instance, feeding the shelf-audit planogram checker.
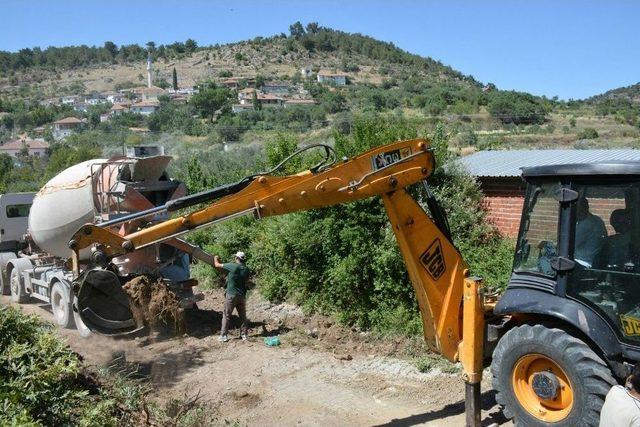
(18, 292)
(83, 331)
(544, 376)
(61, 306)
(4, 274)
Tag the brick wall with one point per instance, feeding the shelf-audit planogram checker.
(503, 201)
(603, 208)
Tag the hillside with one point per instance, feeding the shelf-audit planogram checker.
(380, 79)
(627, 93)
(62, 71)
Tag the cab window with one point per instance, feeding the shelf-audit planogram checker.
(17, 211)
(539, 237)
(606, 252)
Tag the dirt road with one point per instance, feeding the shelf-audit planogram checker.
(322, 374)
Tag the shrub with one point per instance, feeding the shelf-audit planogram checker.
(517, 107)
(467, 138)
(588, 133)
(42, 382)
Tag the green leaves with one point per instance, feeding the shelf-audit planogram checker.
(38, 372)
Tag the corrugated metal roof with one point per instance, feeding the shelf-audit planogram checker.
(508, 163)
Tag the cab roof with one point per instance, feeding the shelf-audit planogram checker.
(610, 168)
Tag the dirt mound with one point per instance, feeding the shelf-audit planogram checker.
(153, 304)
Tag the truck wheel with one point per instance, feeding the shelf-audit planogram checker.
(61, 306)
(83, 331)
(545, 376)
(18, 292)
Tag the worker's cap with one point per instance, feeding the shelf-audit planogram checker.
(241, 255)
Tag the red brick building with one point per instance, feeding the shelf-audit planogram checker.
(498, 173)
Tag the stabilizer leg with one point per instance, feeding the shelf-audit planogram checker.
(471, 348)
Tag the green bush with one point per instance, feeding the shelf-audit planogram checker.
(38, 373)
(588, 133)
(518, 108)
(43, 383)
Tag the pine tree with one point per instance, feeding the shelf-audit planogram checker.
(175, 79)
(256, 102)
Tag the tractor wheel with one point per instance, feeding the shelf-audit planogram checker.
(18, 292)
(61, 306)
(544, 376)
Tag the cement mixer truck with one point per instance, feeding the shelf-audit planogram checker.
(35, 230)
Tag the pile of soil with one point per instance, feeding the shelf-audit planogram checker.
(154, 305)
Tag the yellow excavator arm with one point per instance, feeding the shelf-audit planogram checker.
(438, 274)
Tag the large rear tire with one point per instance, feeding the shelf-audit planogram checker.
(544, 376)
(18, 292)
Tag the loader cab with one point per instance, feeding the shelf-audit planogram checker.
(578, 252)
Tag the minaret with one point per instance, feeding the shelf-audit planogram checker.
(149, 70)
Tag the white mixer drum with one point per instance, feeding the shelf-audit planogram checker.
(62, 206)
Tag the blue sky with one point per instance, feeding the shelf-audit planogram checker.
(572, 49)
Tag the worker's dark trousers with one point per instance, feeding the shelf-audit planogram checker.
(239, 303)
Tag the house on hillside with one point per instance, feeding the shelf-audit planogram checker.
(114, 97)
(498, 173)
(338, 79)
(33, 147)
(95, 99)
(276, 88)
(269, 100)
(70, 100)
(80, 107)
(246, 95)
(65, 127)
(152, 93)
(145, 107)
(117, 109)
(231, 83)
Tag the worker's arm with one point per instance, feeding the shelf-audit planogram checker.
(216, 263)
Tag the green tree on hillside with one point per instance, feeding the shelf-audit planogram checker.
(210, 100)
(111, 48)
(256, 103)
(518, 108)
(296, 30)
(175, 79)
(191, 45)
(313, 28)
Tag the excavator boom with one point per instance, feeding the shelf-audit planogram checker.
(436, 269)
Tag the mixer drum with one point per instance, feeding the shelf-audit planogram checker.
(61, 207)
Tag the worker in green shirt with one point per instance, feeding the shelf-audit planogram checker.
(235, 294)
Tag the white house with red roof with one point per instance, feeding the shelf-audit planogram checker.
(33, 147)
(64, 127)
(145, 107)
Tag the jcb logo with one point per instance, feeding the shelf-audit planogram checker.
(630, 326)
(433, 260)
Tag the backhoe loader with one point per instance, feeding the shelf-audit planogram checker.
(565, 330)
